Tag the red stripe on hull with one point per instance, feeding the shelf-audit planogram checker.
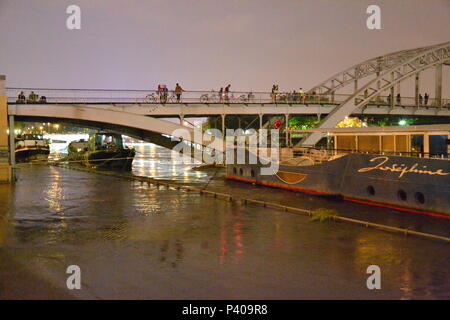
(313, 192)
(389, 206)
(280, 186)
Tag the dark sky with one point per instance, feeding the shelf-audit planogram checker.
(205, 44)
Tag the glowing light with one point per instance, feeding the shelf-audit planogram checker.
(402, 123)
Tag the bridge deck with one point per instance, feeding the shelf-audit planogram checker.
(198, 109)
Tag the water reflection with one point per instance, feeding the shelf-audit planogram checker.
(54, 193)
(161, 163)
(6, 227)
(165, 243)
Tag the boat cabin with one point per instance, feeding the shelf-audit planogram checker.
(418, 141)
(31, 140)
(105, 140)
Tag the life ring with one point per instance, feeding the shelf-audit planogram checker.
(278, 124)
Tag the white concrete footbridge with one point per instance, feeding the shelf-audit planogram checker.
(371, 88)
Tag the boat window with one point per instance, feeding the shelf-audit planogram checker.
(401, 194)
(420, 198)
(346, 143)
(438, 146)
(401, 143)
(369, 143)
(417, 145)
(387, 143)
(370, 190)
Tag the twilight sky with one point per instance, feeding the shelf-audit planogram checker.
(205, 44)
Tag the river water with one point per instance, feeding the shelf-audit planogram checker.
(135, 241)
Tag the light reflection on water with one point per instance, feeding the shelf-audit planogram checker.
(151, 160)
(135, 240)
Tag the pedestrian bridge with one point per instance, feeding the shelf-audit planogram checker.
(113, 119)
(310, 106)
(138, 116)
(374, 86)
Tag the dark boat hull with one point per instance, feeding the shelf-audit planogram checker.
(30, 154)
(117, 160)
(411, 184)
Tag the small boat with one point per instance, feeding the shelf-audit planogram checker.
(403, 168)
(31, 147)
(103, 150)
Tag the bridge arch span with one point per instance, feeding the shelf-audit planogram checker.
(135, 125)
(389, 71)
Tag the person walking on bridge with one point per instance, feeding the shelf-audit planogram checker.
(227, 91)
(178, 91)
(21, 97)
(399, 99)
(302, 95)
(159, 92)
(274, 93)
(32, 97)
(221, 94)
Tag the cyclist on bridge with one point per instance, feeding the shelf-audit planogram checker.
(178, 91)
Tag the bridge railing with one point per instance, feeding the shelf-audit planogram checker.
(100, 96)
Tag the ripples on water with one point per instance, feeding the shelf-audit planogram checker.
(133, 240)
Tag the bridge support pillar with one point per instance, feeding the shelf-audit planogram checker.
(12, 142)
(224, 136)
(438, 85)
(398, 89)
(286, 129)
(391, 101)
(223, 124)
(6, 175)
(332, 91)
(417, 89)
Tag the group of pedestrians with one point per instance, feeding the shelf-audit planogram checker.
(299, 96)
(398, 99)
(32, 98)
(224, 94)
(423, 100)
(163, 92)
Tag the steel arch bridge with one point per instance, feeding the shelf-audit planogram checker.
(380, 74)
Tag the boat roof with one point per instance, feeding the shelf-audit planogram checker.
(391, 129)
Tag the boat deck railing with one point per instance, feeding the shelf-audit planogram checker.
(320, 155)
(212, 97)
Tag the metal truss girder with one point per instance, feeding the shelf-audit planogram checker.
(427, 58)
(368, 68)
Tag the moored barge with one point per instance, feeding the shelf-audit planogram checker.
(104, 150)
(31, 147)
(404, 168)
